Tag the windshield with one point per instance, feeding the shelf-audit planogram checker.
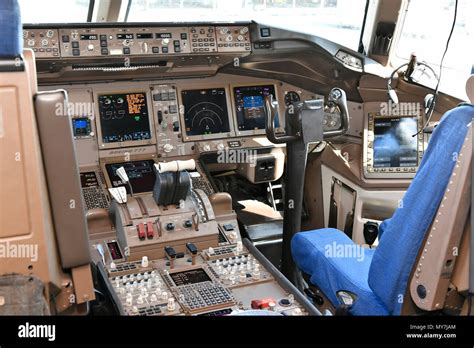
(336, 20)
(54, 11)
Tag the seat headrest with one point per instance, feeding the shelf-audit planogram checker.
(10, 26)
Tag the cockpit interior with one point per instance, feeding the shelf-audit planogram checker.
(230, 158)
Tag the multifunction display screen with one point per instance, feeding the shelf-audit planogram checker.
(205, 111)
(250, 102)
(394, 143)
(124, 117)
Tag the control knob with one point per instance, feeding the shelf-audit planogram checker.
(90, 47)
(220, 147)
(144, 47)
(31, 42)
(50, 34)
(165, 42)
(244, 30)
(240, 38)
(188, 224)
(44, 42)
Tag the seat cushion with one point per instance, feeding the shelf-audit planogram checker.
(335, 263)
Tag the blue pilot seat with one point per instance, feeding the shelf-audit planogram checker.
(379, 277)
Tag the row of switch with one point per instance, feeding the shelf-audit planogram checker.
(147, 229)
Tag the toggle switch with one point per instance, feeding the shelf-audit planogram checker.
(150, 230)
(141, 231)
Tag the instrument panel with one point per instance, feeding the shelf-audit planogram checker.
(131, 41)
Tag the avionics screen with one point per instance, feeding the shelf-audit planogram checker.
(88, 179)
(250, 103)
(124, 117)
(190, 277)
(394, 143)
(205, 111)
(141, 174)
(81, 126)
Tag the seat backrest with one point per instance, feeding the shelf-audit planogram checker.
(404, 233)
(42, 224)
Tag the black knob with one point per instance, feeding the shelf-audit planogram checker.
(188, 224)
(170, 226)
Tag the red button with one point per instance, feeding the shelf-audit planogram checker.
(150, 231)
(141, 231)
(261, 304)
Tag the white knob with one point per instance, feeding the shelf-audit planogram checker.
(206, 148)
(296, 311)
(129, 302)
(165, 41)
(164, 295)
(31, 42)
(90, 47)
(153, 298)
(233, 235)
(242, 277)
(256, 274)
(171, 304)
(272, 306)
(168, 148)
(122, 291)
(113, 265)
(240, 38)
(210, 251)
(50, 33)
(140, 300)
(158, 292)
(135, 309)
(145, 261)
(244, 30)
(240, 246)
(220, 147)
(144, 47)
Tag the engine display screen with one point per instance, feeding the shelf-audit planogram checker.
(205, 111)
(394, 143)
(124, 117)
(250, 103)
(141, 174)
(190, 277)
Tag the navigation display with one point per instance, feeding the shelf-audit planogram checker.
(124, 117)
(394, 143)
(205, 111)
(141, 174)
(250, 103)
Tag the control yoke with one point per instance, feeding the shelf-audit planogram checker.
(336, 102)
(304, 123)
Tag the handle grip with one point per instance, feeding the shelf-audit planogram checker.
(337, 97)
(270, 113)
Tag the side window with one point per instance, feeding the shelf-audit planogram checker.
(425, 31)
